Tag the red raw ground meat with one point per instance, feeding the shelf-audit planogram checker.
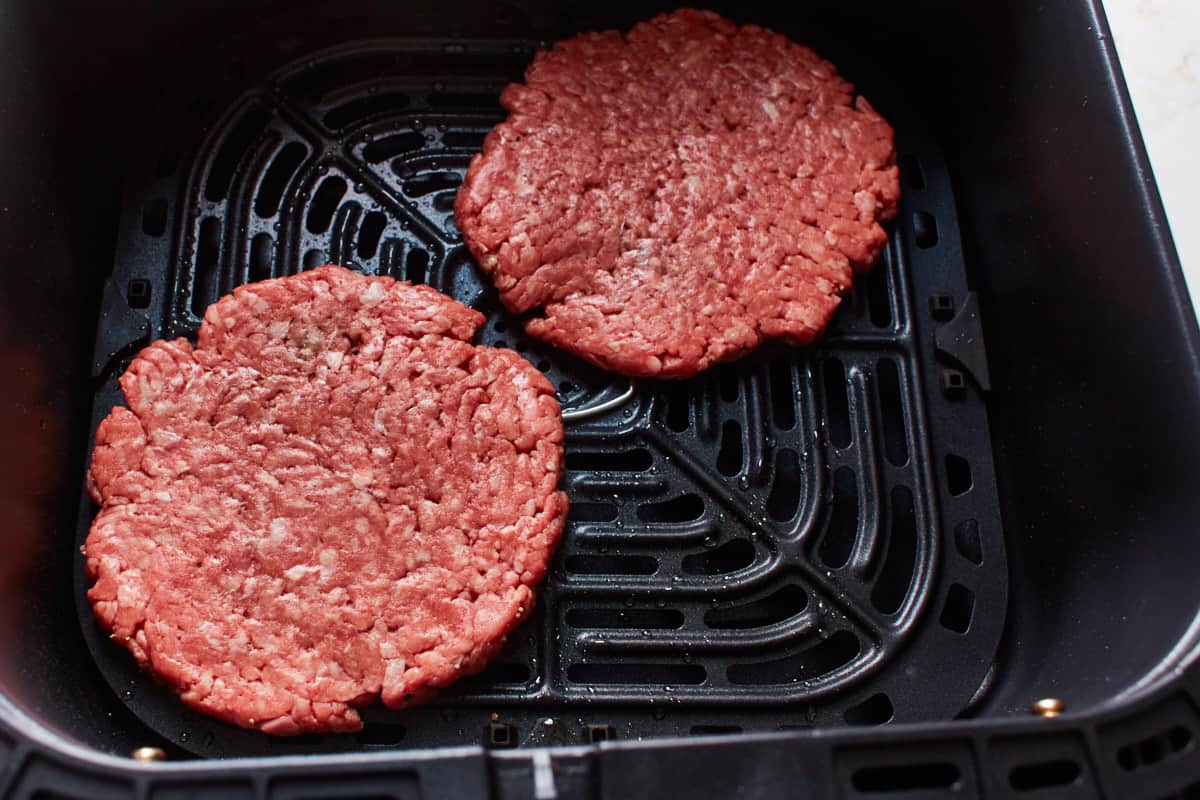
(333, 497)
(674, 196)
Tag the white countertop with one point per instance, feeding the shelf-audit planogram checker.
(1158, 43)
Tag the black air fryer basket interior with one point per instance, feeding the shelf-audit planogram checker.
(852, 565)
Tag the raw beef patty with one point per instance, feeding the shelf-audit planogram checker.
(672, 197)
(333, 497)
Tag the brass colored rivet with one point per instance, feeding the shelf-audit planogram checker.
(148, 754)
(1048, 707)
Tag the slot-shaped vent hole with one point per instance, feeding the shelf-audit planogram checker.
(729, 457)
(783, 394)
(314, 258)
(636, 460)
(906, 777)
(625, 673)
(478, 102)
(468, 140)
(656, 618)
(612, 565)
(505, 673)
(958, 474)
(967, 541)
(1153, 749)
(389, 147)
(679, 403)
(444, 201)
(262, 257)
(728, 385)
(729, 557)
(828, 655)
(784, 501)
(363, 108)
(879, 296)
(500, 672)
(275, 181)
(208, 255)
(714, 730)
(782, 604)
(239, 141)
(958, 609)
(911, 172)
(154, 217)
(431, 182)
(369, 234)
(416, 266)
(842, 530)
(875, 710)
(891, 408)
(592, 512)
(312, 740)
(685, 508)
(378, 734)
(891, 586)
(925, 230)
(324, 203)
(1044, 775)
(837, 407)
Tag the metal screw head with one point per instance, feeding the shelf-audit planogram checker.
(1048, 707)
(148, 754)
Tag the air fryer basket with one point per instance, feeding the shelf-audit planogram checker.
(824, 561)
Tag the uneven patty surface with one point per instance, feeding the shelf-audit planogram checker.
(671, 197)
(333, 497)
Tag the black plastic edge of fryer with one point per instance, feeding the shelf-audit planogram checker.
(1145, 748)
(1141, 745)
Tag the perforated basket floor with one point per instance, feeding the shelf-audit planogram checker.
(808, 537)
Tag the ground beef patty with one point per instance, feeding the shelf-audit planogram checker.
(676, 195)
(334, 496)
